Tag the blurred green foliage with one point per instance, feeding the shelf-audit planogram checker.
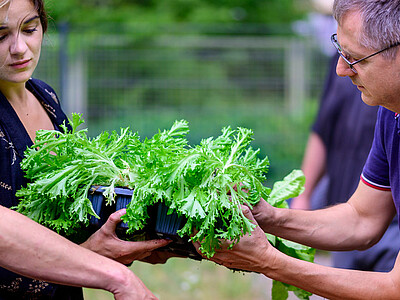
(177, 11)
(146, 63)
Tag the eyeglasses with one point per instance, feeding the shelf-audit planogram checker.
(351, 64)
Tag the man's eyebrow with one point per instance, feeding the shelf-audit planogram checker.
(351, 53)
(4, 25)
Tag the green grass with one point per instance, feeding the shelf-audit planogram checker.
(186, 279)
(182, 279)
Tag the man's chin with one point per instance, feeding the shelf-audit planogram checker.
(368, 100)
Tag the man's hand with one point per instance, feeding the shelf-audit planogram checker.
(263, 213)
(105, 242)
(160, 257)
(251, 253)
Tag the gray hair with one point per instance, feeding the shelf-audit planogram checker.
(381, 22)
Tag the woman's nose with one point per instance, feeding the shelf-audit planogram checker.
(18, 45)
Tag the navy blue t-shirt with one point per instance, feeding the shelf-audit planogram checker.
(346, 126)
(382, 169)
(14, 139)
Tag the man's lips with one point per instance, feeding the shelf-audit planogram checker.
(357, 85)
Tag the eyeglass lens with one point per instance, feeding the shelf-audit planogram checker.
(339, 49)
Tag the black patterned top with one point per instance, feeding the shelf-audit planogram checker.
(14, 139)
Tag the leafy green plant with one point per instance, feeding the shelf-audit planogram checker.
(63, 165)
(206, 183)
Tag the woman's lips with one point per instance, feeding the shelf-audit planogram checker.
(21, 64)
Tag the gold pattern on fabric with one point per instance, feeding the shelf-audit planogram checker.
(52, 95)
(37, 286)
(5, 186)
(33, 292)
(13, 287)
(10, 145)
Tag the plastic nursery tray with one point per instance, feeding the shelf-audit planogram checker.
(159, 225)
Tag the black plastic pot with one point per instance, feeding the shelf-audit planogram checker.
(160, 224)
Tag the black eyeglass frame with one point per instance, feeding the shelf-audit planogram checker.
(351, 64)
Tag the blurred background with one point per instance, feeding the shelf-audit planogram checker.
(215, 63)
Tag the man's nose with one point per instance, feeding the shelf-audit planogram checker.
(343, 69)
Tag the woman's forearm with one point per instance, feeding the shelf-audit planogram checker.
(34, 251)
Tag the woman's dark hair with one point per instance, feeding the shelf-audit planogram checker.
(39, 6)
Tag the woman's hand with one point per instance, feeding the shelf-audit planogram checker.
(251, 253)
(132, 288)
(105, 242)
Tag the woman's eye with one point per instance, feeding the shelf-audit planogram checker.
(30, 30)
(2, 37)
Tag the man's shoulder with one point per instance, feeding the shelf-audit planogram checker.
(386, 117)
(384, 112)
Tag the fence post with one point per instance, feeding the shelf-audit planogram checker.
(63, 61)
(73, 75)
(77, 84)
(295, 91)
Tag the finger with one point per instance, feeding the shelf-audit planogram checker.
(150, 245)
(113, 220)
(197, 246)
(217, 261)
(247, 213)
(142, 256)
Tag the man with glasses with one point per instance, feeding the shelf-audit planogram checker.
(349, 59)
(367, 38)
(337, 148)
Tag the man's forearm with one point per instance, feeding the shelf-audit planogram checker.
(354, 225)
(322, 229)
(333, 283)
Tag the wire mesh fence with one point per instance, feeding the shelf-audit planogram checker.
(120, 78)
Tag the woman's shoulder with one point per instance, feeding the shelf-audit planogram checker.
(48, 98)
(44, 89)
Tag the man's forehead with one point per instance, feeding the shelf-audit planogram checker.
(351, 21)
(349, 33)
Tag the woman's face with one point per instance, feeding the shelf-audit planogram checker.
(21, 37)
